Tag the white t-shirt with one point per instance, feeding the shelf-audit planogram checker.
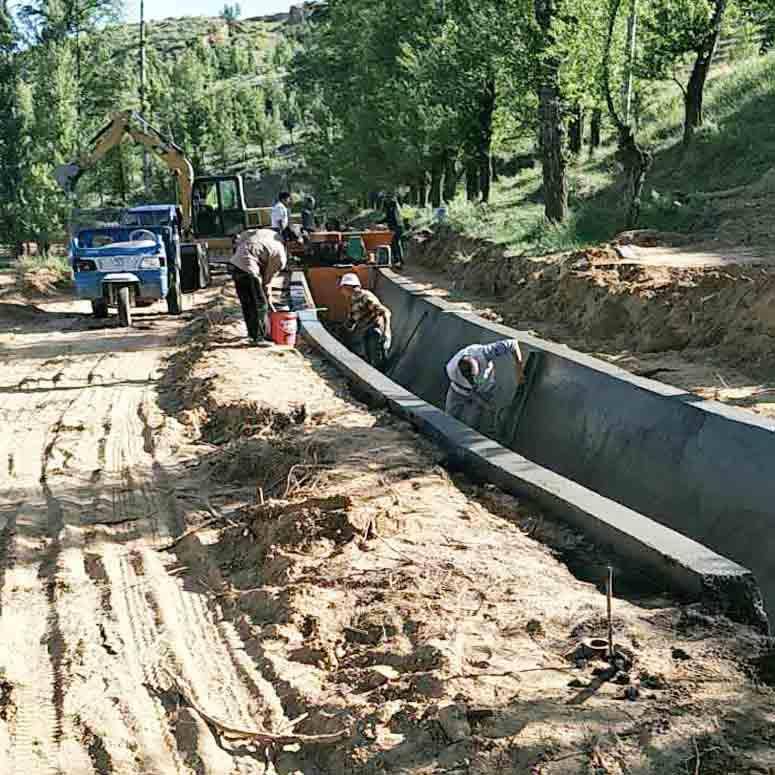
(280, 217)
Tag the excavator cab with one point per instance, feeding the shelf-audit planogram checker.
(218, 207)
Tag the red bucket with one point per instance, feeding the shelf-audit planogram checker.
(284, 327)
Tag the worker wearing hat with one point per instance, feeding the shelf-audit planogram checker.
(472, 384)
(368, 322)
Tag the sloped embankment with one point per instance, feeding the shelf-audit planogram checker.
(594, 300)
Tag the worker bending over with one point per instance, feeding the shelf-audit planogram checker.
(258, 256)
(368, 323)
(472, 383)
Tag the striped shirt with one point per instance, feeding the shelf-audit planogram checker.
(366, 310)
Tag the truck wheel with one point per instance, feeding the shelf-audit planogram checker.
(174, 294)
(192, 262)
(124, 306)
(99, 308)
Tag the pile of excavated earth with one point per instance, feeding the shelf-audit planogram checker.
(697, 316)
(215, 560)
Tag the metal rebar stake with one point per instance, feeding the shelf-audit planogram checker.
(609, 596)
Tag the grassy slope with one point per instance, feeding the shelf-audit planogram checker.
(735, 148)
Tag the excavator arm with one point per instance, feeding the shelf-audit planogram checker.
(131, 123)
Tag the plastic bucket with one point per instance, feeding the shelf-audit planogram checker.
(284, 327)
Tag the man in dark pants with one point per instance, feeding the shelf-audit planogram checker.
(258, 256)
(254, 303)
(395, 223)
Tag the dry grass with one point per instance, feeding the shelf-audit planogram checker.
(43, 275)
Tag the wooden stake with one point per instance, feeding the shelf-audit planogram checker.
(609, 596)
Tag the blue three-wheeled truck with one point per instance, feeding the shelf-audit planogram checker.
(137, 263)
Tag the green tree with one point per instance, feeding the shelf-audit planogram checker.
(231, 12)
(678, 32)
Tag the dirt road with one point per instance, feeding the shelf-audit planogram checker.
(88, 600)
(343, 592)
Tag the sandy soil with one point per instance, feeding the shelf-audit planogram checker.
(212, 560)
(698, 318)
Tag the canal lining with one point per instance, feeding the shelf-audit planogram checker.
(699, 467)
(687, 568)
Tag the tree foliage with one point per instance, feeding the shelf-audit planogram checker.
(67, 66)
(416, 95)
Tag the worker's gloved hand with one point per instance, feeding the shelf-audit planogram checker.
(388, 340)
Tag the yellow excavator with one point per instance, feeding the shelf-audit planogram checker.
(211, 208)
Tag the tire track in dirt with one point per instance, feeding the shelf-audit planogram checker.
(100, 627)
(50, 569)
(35, 645)
(8, 512)
(126, 637)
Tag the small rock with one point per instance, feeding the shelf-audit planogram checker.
(478, 715)
(454, 722)
(535, 628)
(680, 655)
(622, 661)
(623, 679)
(604, 673)
(376, 676)
(656, 681)
(577, 683)
(428, 685)
(631, 693)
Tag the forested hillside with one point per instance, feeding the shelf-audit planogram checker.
(213, 85)
(426, 95)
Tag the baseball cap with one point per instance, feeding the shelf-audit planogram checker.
(350, 279)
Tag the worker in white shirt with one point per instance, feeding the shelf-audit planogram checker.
(471, 374)
(280, 214)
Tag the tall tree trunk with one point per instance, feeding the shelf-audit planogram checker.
(122, 177)
(636, 162)
(472, 178)
(634, 159)
(550, 119)
(486, 112)
(437, 170)
(450, 175)
(695, 90)
(576, 130)
(595, 128)
(553, 155)
(485, 177)
(422, 189)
